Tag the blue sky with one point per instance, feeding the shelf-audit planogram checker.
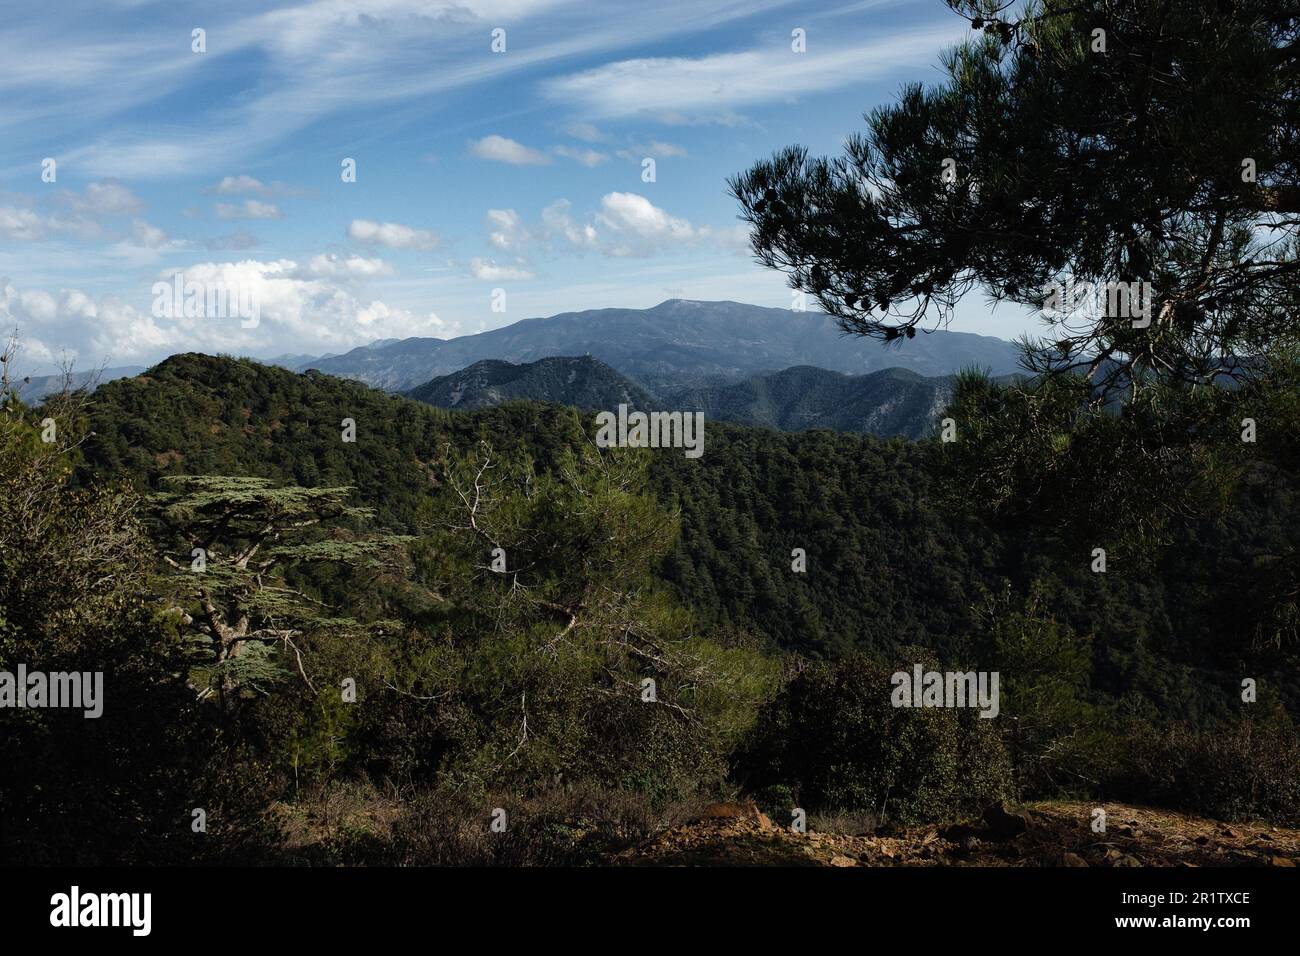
(476, 170)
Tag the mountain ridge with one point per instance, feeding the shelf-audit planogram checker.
(677, 344)
(582, 381)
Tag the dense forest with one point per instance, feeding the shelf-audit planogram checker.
(523, 685)
(340, 626)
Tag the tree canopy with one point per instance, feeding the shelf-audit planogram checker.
(1071, 146)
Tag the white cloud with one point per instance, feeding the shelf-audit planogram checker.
(679, 88)
(394, 235)
(239, 185)
(630, 225)
(506, 229)
(585, 132)
(500, 149)
(302, 308)
(79, 216)
(638, 227)
(489, 271)
(21, 224)
(248, 209)
(312, 306)
(337, 266)
(587, 157)
(654, 148)
(559, 223)
(148, 236)
(105, 200)
(306, 62)
(101, 328)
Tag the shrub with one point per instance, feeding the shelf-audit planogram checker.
(834, 738)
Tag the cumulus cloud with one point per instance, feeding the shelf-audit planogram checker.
(501, 149)
(559, 223)
(394, 235)
(630, 225)
(248, 209)
(314, 306)
(506, 229)
(105, 327)
(638, 219)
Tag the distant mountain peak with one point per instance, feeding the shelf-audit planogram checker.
(677, 343)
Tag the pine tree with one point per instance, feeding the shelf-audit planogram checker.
(235, 543)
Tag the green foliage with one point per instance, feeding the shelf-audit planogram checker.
(1069, 163)
(1246, 767)
(1045, 670)
(74, 563)
(540, 676)
(240, 539)
(833, 737)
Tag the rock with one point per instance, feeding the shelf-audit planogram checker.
(843, 861)
(745, 810)
(1072, 859)
(1004, 824)
(1228, 832)
(1280, 861)
(1127, 860)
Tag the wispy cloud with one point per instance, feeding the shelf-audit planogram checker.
(714, 86)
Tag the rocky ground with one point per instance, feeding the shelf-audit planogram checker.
(1041, 834)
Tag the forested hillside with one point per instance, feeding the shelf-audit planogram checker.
(580, 381)
(891, 560)
(314, 591)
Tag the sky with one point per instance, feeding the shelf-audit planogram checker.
(500, 148)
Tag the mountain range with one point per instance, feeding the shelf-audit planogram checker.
(735, 362)
(675, 345)
(582, 382)
(891, 402)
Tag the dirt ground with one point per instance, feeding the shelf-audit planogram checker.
(1040, 834)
